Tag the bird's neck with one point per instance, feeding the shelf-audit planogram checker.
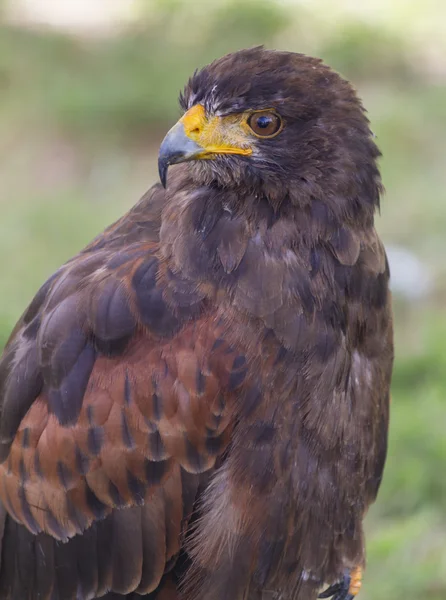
(212, 234)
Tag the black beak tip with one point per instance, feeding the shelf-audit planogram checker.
(163, 166)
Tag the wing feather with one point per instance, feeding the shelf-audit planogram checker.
(114, 395)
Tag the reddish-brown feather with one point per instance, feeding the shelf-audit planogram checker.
(116, 426)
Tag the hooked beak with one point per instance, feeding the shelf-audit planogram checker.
(197, 136)
(176, 147)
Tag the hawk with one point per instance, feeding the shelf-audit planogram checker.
(196, 405)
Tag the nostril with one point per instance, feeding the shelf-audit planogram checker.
(195, 130)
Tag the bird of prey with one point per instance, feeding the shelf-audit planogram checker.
(196, 405)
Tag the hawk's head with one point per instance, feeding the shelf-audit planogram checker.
(277, 123)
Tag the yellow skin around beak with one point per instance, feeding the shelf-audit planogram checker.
(216, 135)
(197, 136)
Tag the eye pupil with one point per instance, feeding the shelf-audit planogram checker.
(265, 124)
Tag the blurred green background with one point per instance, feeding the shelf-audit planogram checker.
(82, 111)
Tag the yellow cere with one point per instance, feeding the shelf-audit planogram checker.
(216, 135)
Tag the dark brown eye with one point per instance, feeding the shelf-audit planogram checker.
(265, 124)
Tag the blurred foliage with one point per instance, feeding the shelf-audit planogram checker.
(367, 52)
(80, 120)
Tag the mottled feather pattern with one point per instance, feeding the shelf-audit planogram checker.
(196, 405)
(117, 427)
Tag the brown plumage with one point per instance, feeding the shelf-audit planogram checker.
(196, 405)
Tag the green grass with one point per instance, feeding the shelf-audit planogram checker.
(80, 122)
